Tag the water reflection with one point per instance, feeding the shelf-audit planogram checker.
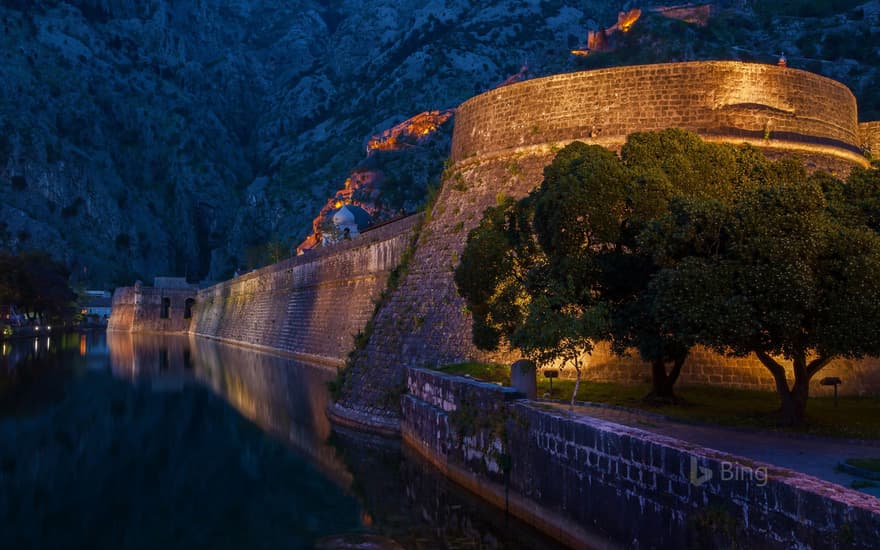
(286, 398)
(149, 457)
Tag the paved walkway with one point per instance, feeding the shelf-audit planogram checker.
(816, 456)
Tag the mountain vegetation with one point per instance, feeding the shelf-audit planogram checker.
(170, 138)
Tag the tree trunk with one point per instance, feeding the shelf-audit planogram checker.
(577, 382)
(662, 383)
(661, 388)
(794, 399)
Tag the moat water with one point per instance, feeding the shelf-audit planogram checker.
(124, 441)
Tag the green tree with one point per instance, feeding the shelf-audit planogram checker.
(590, 209)
(503, 276)
(786, 271)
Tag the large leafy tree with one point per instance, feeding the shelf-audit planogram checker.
(590, 210)
(503, 275)
(564, 267)
(787, 271)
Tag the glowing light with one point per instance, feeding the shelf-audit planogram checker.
(415, 128)
(359, 179)
(409, 133)
(82, 344)
(580, 53)
(625, 21)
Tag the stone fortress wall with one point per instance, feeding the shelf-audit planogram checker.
(310, 306)
(775, 108)
(140, 309)
(504, 138)
(869, 134)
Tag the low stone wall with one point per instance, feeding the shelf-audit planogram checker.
(562, 473)
(704, 367)
(310, 306)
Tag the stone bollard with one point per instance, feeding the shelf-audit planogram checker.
(522, 378)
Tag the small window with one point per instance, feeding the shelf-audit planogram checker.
(166, 307)
(188, 308)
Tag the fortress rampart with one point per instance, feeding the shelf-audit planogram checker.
(310, 306)
(504, 138)
(777, 109)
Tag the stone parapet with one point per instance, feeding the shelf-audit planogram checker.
(562, 473)
(765, 105)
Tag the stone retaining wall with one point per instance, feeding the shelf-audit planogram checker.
(563, 473)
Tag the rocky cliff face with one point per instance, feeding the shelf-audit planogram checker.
(156, 137)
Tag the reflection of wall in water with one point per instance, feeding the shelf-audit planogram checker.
(164, 361)
(426, 498)
(282, 396)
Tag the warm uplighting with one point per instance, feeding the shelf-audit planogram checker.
(82, 345)
(580, 53)
(409, 132)
(359, 179)
(625, 21)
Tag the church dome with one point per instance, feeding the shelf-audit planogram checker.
(352, 216)
(343, 216)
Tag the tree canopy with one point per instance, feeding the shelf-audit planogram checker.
(678, 242)
(786, 271)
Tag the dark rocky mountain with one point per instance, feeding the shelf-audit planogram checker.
(155, 137)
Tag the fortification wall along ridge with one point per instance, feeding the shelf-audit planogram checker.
(772, 107)
(310, 306)
(502, 141)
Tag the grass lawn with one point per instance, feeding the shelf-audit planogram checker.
(855, 417)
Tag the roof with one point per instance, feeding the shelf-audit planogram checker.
(350, 213)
